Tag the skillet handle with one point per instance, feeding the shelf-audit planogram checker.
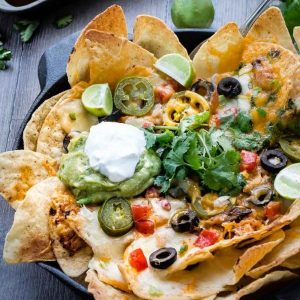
(52, 64)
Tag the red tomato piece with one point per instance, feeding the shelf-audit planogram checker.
(272, 210)
(144, 226)
(206, 238)
(140, 212)
(138, 260)
(249, 161)
(152, 192)
(164, 92)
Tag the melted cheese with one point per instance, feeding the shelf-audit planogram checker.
(73, 117)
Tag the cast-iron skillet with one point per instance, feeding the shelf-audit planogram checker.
(53, 80)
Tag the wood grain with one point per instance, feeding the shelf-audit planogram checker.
(18, 88)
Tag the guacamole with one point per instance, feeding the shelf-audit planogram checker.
(90, 186)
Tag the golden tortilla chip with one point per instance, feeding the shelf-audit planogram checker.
(111, 57)
(195, 254)
(112, 20)
(58, 124)
(154, 35)
(28, 239)
(259, 283)
(289, 247)
(71, 252)
(284, 66)
(108, 251)
(296, 35)
(221, 53)
(20, 170)
(34, 126)
(210, 277)
(270, 27)
(101, 291)
(292, 262)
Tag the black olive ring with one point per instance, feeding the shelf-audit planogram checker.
(229, 87)
(273, 160)
(184, 220)
(163, 258)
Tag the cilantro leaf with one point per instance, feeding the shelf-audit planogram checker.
(251, 141)
(5, 55)
(159, 139)
(193, 122)
(63, 21)
(26, 28)
(244, 122)
(261, 112)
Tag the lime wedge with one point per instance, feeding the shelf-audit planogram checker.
(97, 100)
(177, 67)
(287, 182)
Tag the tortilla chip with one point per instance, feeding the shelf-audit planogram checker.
(34, 126)
(112, 20)
(58, 124)
(259, 283)
(210, 277)
(221, 53)
(289, 247)
(195, 254)
(285, 67)
(28, 239)
(270, 27)
(101, 291)
(255, 253)
(296, 35)
(20, 170)
(154, 35)
(71, 252)
(111, 57)
(292, 262)
(108, 251)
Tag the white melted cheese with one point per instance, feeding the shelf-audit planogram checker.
(114, 149)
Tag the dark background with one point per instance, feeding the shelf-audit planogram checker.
(19, 87)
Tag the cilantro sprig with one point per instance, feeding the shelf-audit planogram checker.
(63, 22)
(26, 28)
(195, 151)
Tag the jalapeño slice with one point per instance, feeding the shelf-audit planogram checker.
(134, 96)
(291, 147)
(115, 217)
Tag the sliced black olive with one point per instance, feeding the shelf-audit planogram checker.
(163, 258)
(229, 87)
(185, 220)
(66, 142)
(273, 160)
(113, 117)
(237, 213)
(203, 88)
(261, 195)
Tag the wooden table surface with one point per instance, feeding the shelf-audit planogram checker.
(18, 88)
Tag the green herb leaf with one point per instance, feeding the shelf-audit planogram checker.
(63, 21)
(251, 141)
(183, 249)
(154, 292)
(5, 55)
(193, 122)
(26, 28)
(72, 116)
(244, 122)
(158, 139)
(262, 113)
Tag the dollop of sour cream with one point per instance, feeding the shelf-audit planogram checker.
(114, 149)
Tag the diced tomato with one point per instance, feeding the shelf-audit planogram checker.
(206, 238)
(215, 121)
(144, 226)
(249, 161)
(164, 92)
(138, 260)
(152, 192)
(147, 124)
(140, 212)
(272, 210)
